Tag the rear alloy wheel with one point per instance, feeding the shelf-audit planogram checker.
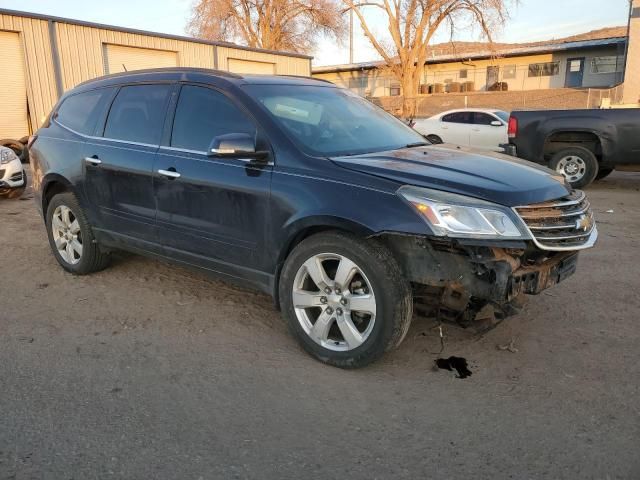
(577, 164)
(345, 299)
(71, 238)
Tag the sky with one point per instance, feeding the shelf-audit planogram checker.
(530, 20)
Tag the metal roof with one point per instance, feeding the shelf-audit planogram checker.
(39, 16)
(486, 54)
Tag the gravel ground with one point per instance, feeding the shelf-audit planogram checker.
(147, 370)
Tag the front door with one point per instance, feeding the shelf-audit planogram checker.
(575, 72)
(211, 211)
(486, 136)
(119, 162)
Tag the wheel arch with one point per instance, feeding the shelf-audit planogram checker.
(306, 227)
(52, 185)
(562, 138)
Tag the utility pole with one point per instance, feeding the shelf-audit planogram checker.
(351, 35)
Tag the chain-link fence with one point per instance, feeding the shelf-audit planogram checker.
(551, 99)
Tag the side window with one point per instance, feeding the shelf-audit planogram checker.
(137, 114)
(458, 117)
(202, 114)
(480, 118)
(80, 112)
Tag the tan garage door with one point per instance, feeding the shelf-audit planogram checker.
(14, 122)
(119, 58)
(249, 66)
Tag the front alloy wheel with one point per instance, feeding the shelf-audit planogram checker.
(345, 298)
(334, 302)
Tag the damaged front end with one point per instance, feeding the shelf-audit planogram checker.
(464, 281)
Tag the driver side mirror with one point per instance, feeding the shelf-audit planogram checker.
(496, 123)
(233, 145)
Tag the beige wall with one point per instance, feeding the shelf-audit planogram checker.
(632, 71)
(284, 65)
(41, 83)
(81, 51)
(81, 56)
(378, 82)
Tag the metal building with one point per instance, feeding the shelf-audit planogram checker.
(43, 56)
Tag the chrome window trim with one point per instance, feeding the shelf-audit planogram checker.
(92, 137)
(204, 153)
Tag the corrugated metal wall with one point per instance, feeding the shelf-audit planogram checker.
(284, 65)
(81, 50)
(81, 56)
(41, 83)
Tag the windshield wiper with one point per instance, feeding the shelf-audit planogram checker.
(417, 144)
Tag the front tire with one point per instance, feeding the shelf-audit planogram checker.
(345, 299)
(71, 238)
(577, 164)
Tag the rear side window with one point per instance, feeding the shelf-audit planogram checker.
(203, 114)
(80, 112)
(480, 118)
(137, 114)
(458, 117)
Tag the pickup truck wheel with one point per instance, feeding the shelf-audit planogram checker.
(578, 165)
(345, 299)
(603, 172)
(71, 238)
(434, 139)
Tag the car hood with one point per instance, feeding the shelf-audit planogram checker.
(489, 176)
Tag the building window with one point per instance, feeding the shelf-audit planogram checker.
(508, 71)
(463, 73)
(359, 83)
(394, 90)
(544, 69)
(609, 64)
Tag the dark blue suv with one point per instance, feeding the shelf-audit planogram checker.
(307, 192)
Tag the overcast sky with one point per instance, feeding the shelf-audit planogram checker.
(531, 20)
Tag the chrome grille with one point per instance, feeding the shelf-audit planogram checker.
(563, 224)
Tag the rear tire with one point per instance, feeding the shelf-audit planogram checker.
(577, 164)
(373, 298)
(71, 238)
(435, 139)
(604, 172)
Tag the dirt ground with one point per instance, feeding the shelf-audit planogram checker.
(147, 370)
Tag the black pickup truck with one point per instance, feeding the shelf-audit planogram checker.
(583, 145)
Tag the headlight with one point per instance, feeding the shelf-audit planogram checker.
(7, 155)
(451, 215)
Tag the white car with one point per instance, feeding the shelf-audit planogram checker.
(484, 129)
(13, 178)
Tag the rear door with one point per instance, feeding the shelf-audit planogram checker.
(456, 128)
(119, 161)
(212, 211)
(484, 135)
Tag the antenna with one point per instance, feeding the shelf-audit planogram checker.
(125, 68)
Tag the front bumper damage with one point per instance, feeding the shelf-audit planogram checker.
(463, 282)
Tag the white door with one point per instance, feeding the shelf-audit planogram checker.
(237, 65)
(14, 120)
(455, 128)
(484, 135)
(119, 58)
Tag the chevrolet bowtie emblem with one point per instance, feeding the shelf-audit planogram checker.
(584, 223)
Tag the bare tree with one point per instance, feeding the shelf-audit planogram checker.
(412, 24)
(291, 25)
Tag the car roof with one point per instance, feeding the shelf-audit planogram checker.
(199, 75)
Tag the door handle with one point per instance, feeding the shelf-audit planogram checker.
(93, 160)
(169, 173)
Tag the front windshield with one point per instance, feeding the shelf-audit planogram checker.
(327, 121)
